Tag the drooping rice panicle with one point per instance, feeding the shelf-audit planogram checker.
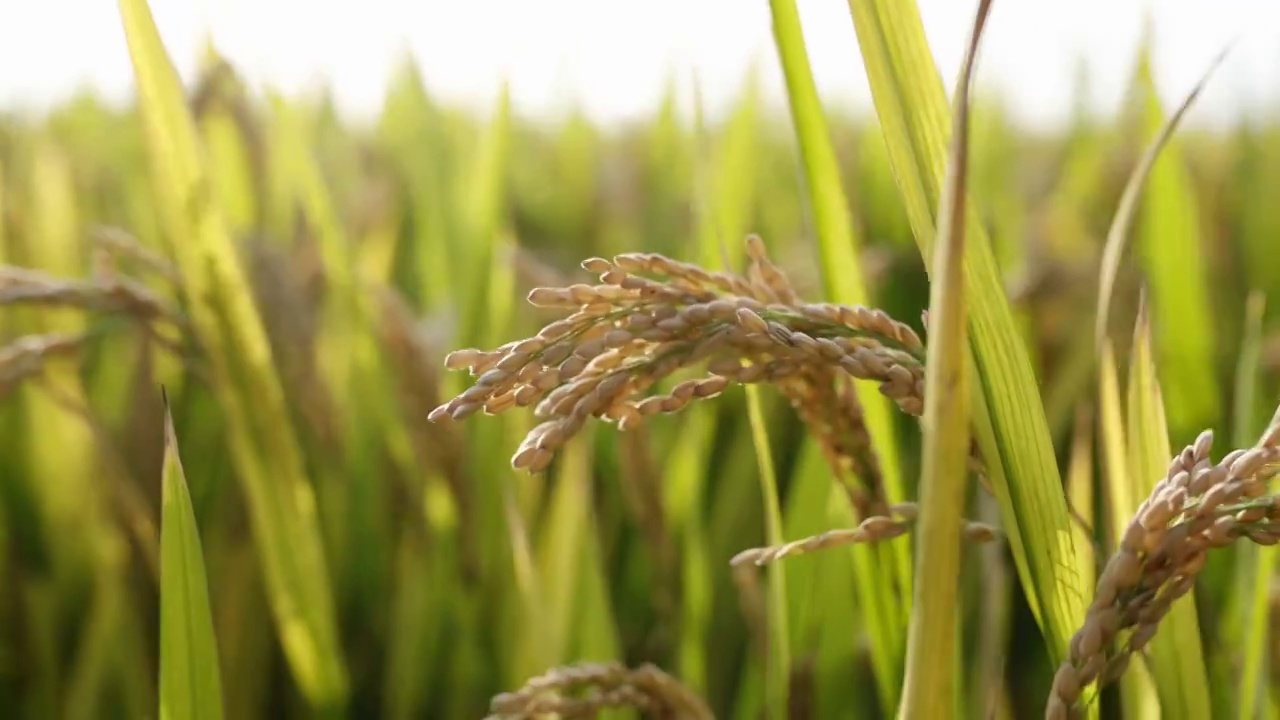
(585, 689)
(629, 333)
(873, 529)
(27, 356)
(1198, 506)
(24, 286)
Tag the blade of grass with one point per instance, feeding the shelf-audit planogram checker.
(190, 684)
(132, 672)
(824, 618)
(684, 476)
(1175, 267)
(61, 455)
(351, 362)
(223, 120)
(1175, 654)
(730, 173)
(1009, 420)
(1137, 693)
(930, 684)
(411, 130)
(723, 213)
(98, 642)
(877, 205)
(691, 452)
(1077, 189)
(833, 224)
(409, 651)
(995, 174)
(1255, 565)
(263, 444)
(61, 451)
(888, 572)
(596, 632)
(1123, 491)
(527, 660)
(484, 211)
(1122, 221)
(566, 530)
(778, 659)
(1257, 173)
(1080, 493)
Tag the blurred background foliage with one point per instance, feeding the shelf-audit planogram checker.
(371, 250)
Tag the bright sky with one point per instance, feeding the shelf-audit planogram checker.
(613, 57)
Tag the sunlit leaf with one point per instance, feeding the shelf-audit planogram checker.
(262, 441)
(190, 682)
(1009, 421)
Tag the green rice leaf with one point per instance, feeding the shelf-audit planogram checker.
(61, 456)
(1122, 221)
(824, 616)
(263, 446)
(1255, 564)
(684, 476)
(1176, 656)
(411, 131)
(1080, 492)
(1009, 420)
(567, 530)
(730, 179)
(190, 682)
(888, 573)
(1137, 693)
(726, 184)
(222, 116)
(931, 673)
(1176, 268)
(778, 660)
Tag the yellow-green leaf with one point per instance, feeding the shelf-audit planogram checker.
(722, 217)
(1176, 268)
(262, 442)
(930, 690)
(1256, 564)
(888, 570)
(1126, 210)
(1080, 493)
(1176, 657)
(778, 660)
(1009, 420)
(1137, 694)
(190, 682)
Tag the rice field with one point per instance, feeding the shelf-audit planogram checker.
(791, 414)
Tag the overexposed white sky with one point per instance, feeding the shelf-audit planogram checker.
(613, 57)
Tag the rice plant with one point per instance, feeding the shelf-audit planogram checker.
(793, 414)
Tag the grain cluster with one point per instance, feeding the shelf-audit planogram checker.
(656, 334)
(1198, 506)
(584, 690)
